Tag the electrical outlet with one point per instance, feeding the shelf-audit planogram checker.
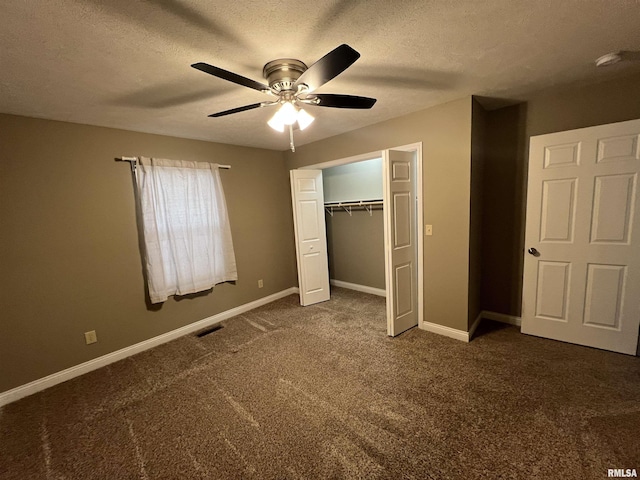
(260, 283)
(90, 337)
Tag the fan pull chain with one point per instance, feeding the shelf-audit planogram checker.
(293, 147)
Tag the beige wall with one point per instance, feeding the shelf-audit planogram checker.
(445, 132)
(478, 153)
(70, 261)
(356, 247)
(579, 106)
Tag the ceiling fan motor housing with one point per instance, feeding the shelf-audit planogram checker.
(283, 73)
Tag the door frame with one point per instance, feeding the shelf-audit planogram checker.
(412, 147)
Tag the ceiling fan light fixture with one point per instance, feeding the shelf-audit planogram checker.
(304, 119)
(276, 122)
(288, 113)
(290, 81)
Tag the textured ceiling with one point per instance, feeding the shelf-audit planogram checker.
(126, 63)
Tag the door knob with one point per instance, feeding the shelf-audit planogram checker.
(534, 252)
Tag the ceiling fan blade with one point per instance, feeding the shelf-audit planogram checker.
(229, 76)
(236, 110)
(330, 66)
(344, 101)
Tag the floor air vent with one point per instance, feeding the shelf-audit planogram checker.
(203, 333)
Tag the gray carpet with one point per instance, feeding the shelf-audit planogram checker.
(286, 392)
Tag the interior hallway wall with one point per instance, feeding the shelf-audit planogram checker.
(502, 210)
(478, 154)
(505, 179)
(69, 257)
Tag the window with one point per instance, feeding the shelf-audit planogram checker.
(187, 237)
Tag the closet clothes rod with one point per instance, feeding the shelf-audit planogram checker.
(346, 206)
(133, 161)
(354, 203)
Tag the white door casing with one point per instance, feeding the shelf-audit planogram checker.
(311, 240)
(401, 240)
(583, 213)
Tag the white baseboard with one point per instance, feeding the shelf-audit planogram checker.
(360, 288)
(501, 317)
(446, 331)
(77, 370)
(467, 336)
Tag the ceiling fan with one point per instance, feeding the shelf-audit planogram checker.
(293, 84)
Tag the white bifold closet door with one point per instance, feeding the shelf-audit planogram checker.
(400, 240)
(582, 266)
(311, 239)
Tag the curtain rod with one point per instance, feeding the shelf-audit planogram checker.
(134, 160)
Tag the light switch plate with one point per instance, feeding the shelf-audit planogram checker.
(428, 229)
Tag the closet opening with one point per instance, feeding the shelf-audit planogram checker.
(357, 225)
(353, 205)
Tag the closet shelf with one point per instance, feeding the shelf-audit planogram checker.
(347, 206)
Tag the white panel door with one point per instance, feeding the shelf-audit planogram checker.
(311, 239)
(582, 265)
(400, 239)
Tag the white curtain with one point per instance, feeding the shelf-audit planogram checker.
(186, 227)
